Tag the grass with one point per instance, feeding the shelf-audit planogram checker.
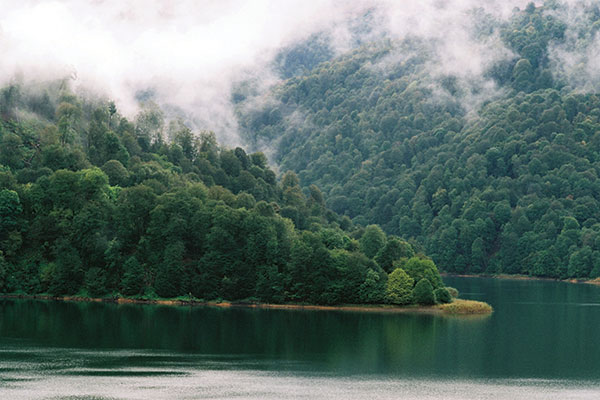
(456, 307)
(466, 307)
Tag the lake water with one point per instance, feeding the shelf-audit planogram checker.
(542, 342)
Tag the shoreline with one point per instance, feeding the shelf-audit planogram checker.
(516, 277)
(437, 309)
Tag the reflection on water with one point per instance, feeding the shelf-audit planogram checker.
(28, 373)
(149, 376)
(540, 342)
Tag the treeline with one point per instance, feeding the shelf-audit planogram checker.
(512, 189)
(94, 204)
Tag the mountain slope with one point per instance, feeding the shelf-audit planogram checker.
(94, 204)
(495, 174)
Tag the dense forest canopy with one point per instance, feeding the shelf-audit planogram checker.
(385, 150)
(497, 174)
(94, 204)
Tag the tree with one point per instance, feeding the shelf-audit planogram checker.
(184, 137)
(133, 213)
(68, 114)
(259, 160)
(423, 292)
(10, 222)
(581, 263)
(68, 275)
(116, 172)
(290, 179)
(399, 287)
(149, 125)
(169, 272)
(245, 200)
(133, 281)
(372, 240)
(95, 281)
(3, 274)
(522, 75)
(394, 249)
(442, 295)
(372, 290)
(10, 210)
(12, 151)
(418, 269)
(478, 255)
(230, 163)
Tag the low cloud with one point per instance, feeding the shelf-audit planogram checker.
(191, 54)
(576, 59)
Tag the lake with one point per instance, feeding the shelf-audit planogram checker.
(541, 342)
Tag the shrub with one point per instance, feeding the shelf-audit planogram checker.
(423, 292)
(453, 291)
(399, 287)
(442, 295)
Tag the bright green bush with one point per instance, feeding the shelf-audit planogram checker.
(399, 287)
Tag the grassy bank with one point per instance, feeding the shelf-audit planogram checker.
(457, 307)
(466, 307)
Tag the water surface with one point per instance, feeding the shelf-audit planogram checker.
(541, 342)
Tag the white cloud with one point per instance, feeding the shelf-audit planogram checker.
(192, 51)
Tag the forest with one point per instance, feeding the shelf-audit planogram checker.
(93, 204)
(384, 172)
(500, 183)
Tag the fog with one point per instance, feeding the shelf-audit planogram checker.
(576, 61)
(190, 54)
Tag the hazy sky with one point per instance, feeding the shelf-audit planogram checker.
(190, 51)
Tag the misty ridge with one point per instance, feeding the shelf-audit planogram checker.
(140, 150)
(208, 64)
(321, 156)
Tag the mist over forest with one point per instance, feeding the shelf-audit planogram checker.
(190, 58)
(325, 199)
(326, 144)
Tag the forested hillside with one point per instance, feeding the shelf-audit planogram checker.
(498, 175)
(94, 204)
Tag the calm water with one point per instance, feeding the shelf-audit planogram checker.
(542, 342)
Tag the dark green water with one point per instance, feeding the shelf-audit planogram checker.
(543, 341)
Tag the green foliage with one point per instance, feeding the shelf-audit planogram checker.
(133, 281)
(370, 291)
(95, 281)
(423, 292)
(3, 274)
(452, 291)
(372, 241)
(92, 203)
(10, 209)
(67, 277)
(356, 279)
(419, 268)
(116, 172)
(10, 215)
(581, 262)
(442, 295)
(510, 187)
(394, 250)
(12, 151)
(399, 289)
